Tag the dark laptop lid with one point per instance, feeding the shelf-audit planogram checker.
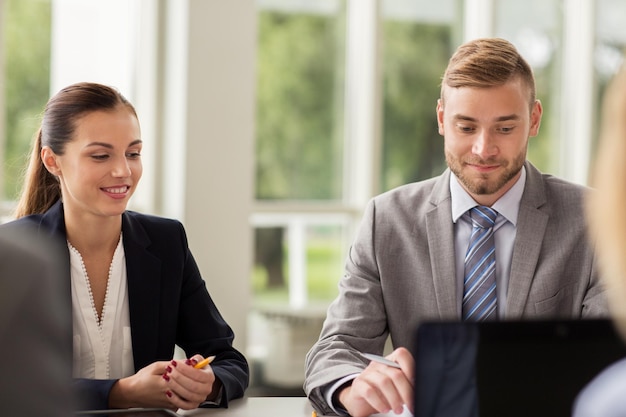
(509, 368)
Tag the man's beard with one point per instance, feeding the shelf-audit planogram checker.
(483, 185)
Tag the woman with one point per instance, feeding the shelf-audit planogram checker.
(604, 396)
(136, 289)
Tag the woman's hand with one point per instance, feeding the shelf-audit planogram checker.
(146, 388)
(188, 387)
(174, 384)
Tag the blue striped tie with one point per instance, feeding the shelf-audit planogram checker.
(479, 283)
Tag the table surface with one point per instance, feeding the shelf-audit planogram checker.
(258, 407)
(270, 407)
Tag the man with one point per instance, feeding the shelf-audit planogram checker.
(407, 263)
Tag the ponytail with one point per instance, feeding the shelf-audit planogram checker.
(41, 189)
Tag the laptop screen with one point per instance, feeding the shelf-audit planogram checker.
(509, 368)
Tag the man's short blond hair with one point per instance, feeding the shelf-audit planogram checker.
(487, 62)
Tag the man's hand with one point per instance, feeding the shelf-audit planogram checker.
(381, 388)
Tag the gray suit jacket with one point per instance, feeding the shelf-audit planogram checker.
(401, 271)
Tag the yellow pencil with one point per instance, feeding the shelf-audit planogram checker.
(204, 362)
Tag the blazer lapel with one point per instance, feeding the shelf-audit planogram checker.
(531, 227)
(53, 222)
(52, 225)
(440, 234)
(144, 291)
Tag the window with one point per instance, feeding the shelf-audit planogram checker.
(299, 152)
(301, 222)
(418, 39)
(535, 27)
(47, 45)
(26, 46)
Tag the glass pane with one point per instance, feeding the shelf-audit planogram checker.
(26, 38)
(280, 269)
(269, 275)
(325, 260)
(535, 28)
(299, 102)
(297, 267)
(299, 156)
(418, 40)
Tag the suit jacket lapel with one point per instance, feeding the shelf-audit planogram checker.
(144, 291)
(440, 234)
(531, 227)
(52, 225)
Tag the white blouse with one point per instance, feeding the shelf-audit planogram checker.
(102, 349)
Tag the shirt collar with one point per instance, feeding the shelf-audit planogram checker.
(507, 205)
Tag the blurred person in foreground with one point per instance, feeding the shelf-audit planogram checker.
(35, 329)
(407, 263)
(604, 396)
(136, 290)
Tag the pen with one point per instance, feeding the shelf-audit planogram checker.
(204, 362)
(380, 359)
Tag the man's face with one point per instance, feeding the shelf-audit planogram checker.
(486, 133)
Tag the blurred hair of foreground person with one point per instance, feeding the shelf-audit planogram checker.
(604, 396)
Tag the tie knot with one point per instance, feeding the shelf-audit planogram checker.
(483, 216)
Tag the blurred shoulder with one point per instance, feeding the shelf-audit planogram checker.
(604, 395)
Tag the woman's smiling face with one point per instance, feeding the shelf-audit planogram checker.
(101, 165)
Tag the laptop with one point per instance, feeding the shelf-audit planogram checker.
(509, 368)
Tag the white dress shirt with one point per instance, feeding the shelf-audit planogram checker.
(102, 348)
(505, 230)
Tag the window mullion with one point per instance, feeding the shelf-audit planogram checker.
(478, 19)
(577, 90)
(362, 103)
